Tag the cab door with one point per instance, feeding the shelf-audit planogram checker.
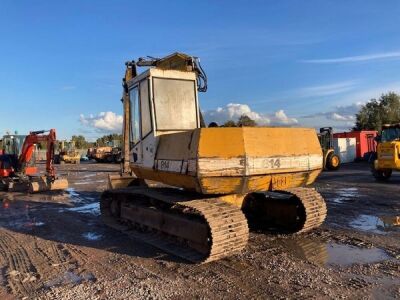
(135, 138)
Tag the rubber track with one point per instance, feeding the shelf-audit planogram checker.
(314, 206)
(229, 231)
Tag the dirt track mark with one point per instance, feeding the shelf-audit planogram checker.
(22, 275)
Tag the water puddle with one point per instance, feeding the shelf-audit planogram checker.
(375, 224)
(90, 175)
(17, 215)
(333, 254)
(346, 255)
(72, 193)
(345, 194)
(91, 208)
(92, 236)
(77, 198)
(89, 182)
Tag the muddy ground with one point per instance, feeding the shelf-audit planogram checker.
(56, 247)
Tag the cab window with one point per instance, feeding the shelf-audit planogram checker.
(174, 104)
(146, 126)
(135, 115)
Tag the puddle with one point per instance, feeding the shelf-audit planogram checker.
(71, 192)
(346, 255)
(88, 182)
(381, 225)
(333, 254)
(345, 194)
(70, 278)
(91, 236)
(15, 215)
(91, 208)
(90, 175)
(27, 224)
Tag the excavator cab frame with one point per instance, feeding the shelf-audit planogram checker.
(149, 114)
(12, 148)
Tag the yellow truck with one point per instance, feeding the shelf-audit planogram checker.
(388, 152)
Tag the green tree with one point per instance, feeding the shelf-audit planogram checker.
(229, 123)
(106, 140)
(80, 141)
(246, 121)
(375, 113)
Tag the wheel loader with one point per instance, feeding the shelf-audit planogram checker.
(331, 159)
(67, 153)
(388, 152)
(194, 191)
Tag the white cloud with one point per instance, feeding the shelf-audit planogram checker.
(233, 111)
(357, 58)
(337, 117)
(339, 113)
(104, 122)
(280, 118)
(327, 89)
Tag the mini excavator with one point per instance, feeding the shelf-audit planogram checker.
(195, 191)
(17, 164)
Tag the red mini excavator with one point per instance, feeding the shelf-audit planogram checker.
(17, 163)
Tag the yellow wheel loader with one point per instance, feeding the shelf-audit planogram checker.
(195, 191)
(68, 153)
(388, 152)
(331, 159)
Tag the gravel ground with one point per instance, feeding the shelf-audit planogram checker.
(54, 246)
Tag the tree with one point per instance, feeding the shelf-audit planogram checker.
(375, 113)
(80, 141)
(229, 123)
(246, 121)
(105, 140)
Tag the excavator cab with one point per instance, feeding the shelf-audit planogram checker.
(12, 147)
(161, 103)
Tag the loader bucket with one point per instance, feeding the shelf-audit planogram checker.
(120, 181)
(43, 185)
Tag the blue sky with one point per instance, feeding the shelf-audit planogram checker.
(302, 63)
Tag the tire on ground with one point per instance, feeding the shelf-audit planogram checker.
(381, 175)
(333, 162)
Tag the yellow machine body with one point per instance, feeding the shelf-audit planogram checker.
(388, 155)
(257, 159)
(388, 152)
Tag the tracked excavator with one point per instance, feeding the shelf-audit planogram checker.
(18, 171)
(195, 191)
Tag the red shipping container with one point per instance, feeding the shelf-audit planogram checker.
(364, 141)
